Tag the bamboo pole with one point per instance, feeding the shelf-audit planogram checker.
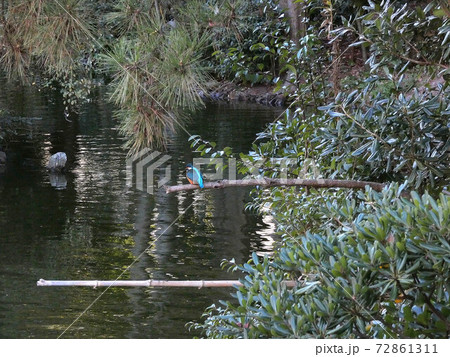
(268, 182)
(149, 283)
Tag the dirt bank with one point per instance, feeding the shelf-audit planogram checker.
(262, 94)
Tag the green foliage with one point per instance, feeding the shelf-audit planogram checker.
(404, 135)
(368, 265)
(250, 38)
(128, 16)
(153, 77)
(401, 34)
(180, 70)
(382, 272)
(153, 68)
(398, 134)
(48, 41)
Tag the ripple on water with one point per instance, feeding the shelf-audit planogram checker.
(96, 227)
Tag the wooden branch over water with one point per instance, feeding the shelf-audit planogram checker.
(268, 182)
(149, 283)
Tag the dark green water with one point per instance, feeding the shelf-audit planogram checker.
(97, 226)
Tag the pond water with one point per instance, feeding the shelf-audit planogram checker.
(96, 225)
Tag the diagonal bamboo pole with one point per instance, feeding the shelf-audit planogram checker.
(150, 283)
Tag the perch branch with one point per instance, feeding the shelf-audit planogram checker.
(268, 182)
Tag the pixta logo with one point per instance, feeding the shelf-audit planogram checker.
(147, 165)
(255, 169)
(144, 166)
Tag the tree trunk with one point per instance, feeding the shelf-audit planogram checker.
(363, 47)
(336, 57)
(295, 13)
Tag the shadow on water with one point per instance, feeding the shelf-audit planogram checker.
(87, 224)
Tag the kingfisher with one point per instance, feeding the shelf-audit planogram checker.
(194, 175)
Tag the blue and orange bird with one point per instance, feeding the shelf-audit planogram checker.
(194, 175)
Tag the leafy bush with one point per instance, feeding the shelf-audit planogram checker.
(402, 34)
(250, 40)
(382, 272)
(390, 138)
(366, 265)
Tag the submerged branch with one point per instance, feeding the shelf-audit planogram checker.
(268, 182)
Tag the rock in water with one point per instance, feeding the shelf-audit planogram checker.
(2, 158)
(57, 161)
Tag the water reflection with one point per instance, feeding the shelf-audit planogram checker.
(58, 180)
(96, 227)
